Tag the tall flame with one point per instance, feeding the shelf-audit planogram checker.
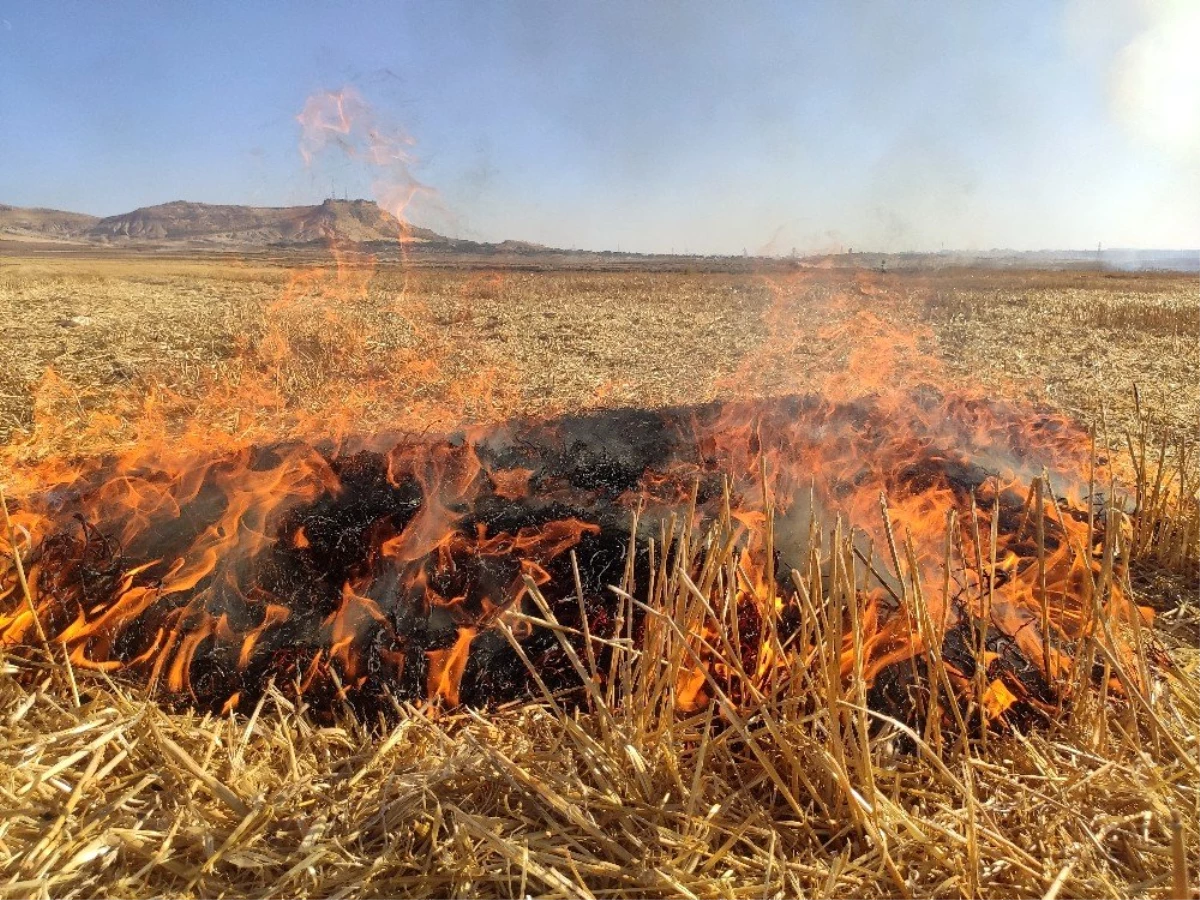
(258, 531)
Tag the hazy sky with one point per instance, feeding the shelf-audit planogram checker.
(707, 127)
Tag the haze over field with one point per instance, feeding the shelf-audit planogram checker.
(653, 128)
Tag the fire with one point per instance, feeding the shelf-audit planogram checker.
(285, 545)
(342, 119)
(380, 568)
(446, 667)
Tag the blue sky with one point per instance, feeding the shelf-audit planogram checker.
(706, 127)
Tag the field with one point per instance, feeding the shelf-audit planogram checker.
(104, 792)
(1077, 340)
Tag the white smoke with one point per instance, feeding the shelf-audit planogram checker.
(1153, 53)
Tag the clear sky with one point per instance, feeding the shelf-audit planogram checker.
(706, 127)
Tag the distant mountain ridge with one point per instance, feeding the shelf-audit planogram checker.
(218, 225)
(183, 226)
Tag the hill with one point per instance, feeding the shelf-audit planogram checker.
(19, 222)
(185, 226)
(357, 221)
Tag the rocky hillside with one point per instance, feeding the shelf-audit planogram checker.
(185, 226)
(358, 221)
(46, 224)
(216, 226)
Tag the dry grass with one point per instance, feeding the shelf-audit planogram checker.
(793, 788)
(549, 341)
(796, 789)
(1078, 340)
(554, 341)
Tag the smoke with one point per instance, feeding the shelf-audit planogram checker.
(344, 120)
(1153, 62)
(1156, 79)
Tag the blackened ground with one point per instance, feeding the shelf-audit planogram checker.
(588, 469)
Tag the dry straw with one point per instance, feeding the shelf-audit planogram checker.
(786, 784)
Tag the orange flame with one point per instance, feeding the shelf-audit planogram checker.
(183, 562)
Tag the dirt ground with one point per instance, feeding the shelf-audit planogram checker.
(551, 341)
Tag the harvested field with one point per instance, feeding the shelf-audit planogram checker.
(1078, 340)
(755, 738)
(558, 340)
